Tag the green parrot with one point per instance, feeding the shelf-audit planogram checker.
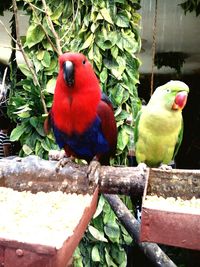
(159, 125)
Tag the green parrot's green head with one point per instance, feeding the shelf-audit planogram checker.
(173, 95)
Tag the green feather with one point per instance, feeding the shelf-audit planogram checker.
(158, 128)
(180, 138)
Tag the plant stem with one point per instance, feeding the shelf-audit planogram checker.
(29, 65)
(57, 39)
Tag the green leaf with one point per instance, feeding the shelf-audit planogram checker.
(109, 260)
(77, 258)
(117, 72)
(123, 115)
(110, 63)
(112, 230)
(114, 51)
(46, 59)
(25, 70)
(119, 255)
(40, 130)
(17, 132)
(50, 87)
(95, 254)
(35, 35)
(106, 15)
(104, 75)
(34, 121)
(99, 207)
(88, 42)
(97, 234)
(129, 42)
(57, 12)
(122, 19)
(27, 150)
(40, 54)
(45, 146)
(123, 139)
(117, 94)
(22, 111)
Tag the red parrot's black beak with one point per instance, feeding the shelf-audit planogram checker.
(68, 71)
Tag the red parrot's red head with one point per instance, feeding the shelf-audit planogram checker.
(75, 70)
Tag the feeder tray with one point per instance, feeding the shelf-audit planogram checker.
(171, 210)
(14, 252)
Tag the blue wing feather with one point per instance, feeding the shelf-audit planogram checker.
(86, 145)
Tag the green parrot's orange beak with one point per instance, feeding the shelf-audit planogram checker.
(180, 100)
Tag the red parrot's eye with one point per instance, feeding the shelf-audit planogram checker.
(84, 62)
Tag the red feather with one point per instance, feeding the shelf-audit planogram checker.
(109, 129)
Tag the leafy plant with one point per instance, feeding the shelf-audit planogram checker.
(105, 241)
(107, 32)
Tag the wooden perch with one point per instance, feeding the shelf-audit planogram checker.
(35, 174)
(151, 250)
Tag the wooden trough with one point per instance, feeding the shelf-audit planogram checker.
(171, 210)
(16, 252)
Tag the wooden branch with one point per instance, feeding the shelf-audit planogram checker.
(35, 174)
(151, 250)
(33, 7)
(72, 23)
(122, 180)
(1, 22)
(57, 39)
(10, 47)
(19, 43)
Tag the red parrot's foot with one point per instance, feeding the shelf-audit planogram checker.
(61, 157)
(165, 167)
(62, 162)
(93, 171)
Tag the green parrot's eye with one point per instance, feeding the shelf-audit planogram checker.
(168, 91)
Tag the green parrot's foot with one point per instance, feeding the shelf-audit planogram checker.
(165, 167)
(93, 171)
(142, 166)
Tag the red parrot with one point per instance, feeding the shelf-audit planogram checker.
(82, 116)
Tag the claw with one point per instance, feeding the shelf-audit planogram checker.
(142, 166)
(60, 156)
(62, 162)
(165, 167)
(93, 171)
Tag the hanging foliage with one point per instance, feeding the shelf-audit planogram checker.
(5, 5)
(173, 60)
(191, 6)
